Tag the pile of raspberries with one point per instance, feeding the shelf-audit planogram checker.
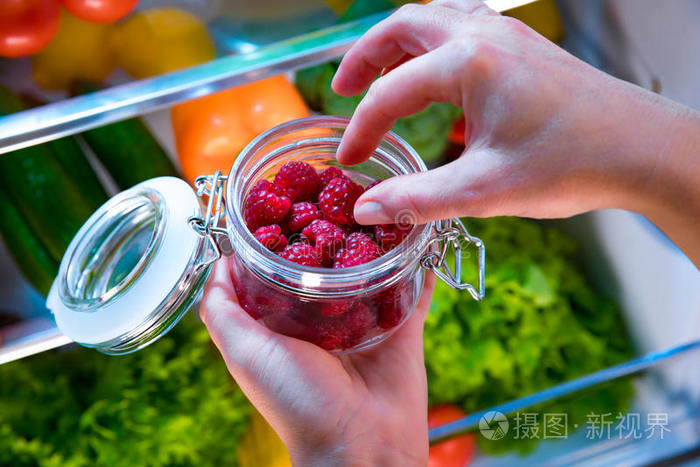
(306, 217)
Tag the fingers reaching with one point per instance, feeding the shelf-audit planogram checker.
(406, 90)
(413, 30)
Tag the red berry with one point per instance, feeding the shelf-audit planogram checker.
(389, 307)
(318, 227)
(335, 308)
(329, 174)
(299, 179)
(359, 249)
(301, 253)
(390, 235)
(271, 237)
(327, 239)
(302, 214)
(265, 205)
(331, 334)
(337, 200)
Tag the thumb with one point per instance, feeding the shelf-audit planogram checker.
(440, 193)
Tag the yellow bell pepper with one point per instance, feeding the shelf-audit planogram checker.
(160, 40)
(261, 447)
(78, 51)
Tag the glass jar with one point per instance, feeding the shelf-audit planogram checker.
(141, 260)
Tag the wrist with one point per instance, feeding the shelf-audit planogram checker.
(662, 157)
(369, 450)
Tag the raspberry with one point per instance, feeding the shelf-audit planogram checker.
(335, 308)
(329, 174)
(389, 308)
(318, 227)
(346, 330)
(390, 235)
(299, 179)
(359, 249)
(327, 239)
(337, 200)
(328, 245)
(302, 214)
(301, 253)
(271, 237)
(360, 320)
(332, 334)
(266, 204)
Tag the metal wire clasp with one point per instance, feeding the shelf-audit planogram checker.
(453, 233)
(213, 187)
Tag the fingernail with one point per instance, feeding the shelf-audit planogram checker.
(371, 212)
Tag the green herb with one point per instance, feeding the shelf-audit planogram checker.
(540, 324)
(172, 403)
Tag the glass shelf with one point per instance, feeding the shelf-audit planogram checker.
(256, 59)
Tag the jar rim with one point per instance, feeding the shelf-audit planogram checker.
(416, 242)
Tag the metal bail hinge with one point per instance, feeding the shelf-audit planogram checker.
(212, 186)
(453, 233)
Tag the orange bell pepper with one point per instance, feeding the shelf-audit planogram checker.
(210, 131)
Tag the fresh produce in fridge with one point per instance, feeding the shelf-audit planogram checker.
(100, 11)
(51, 202)
(173, 403)
(77, 52)
(210, 131)
(454, 452)
(25, 247)
(160, 40)
(127, 149)
(27, 26)
(426, 131)
(541, 324)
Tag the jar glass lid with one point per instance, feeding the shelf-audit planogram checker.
(131, 271)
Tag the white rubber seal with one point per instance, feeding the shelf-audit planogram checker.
(126, 312)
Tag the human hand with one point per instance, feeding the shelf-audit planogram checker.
(365, 408)
(547, 135)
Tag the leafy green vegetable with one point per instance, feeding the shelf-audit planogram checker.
(426, 131)
(172, 403)
(540, 324)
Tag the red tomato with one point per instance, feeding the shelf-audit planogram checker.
(27, 26)
(100, 11)
(455, 452)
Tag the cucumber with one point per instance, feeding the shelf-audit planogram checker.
(127, 149)
(30, 254)
(70, 156)
(44, 194)
(129, 152)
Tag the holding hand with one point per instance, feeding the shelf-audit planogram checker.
(367, 408)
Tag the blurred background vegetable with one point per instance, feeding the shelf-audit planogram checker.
(540, 324)
(454, 452)
(159, 40)
(212, 130)
(77, 52)
(172, 403)
(100, 11)
(27, 26)
(127, 149)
